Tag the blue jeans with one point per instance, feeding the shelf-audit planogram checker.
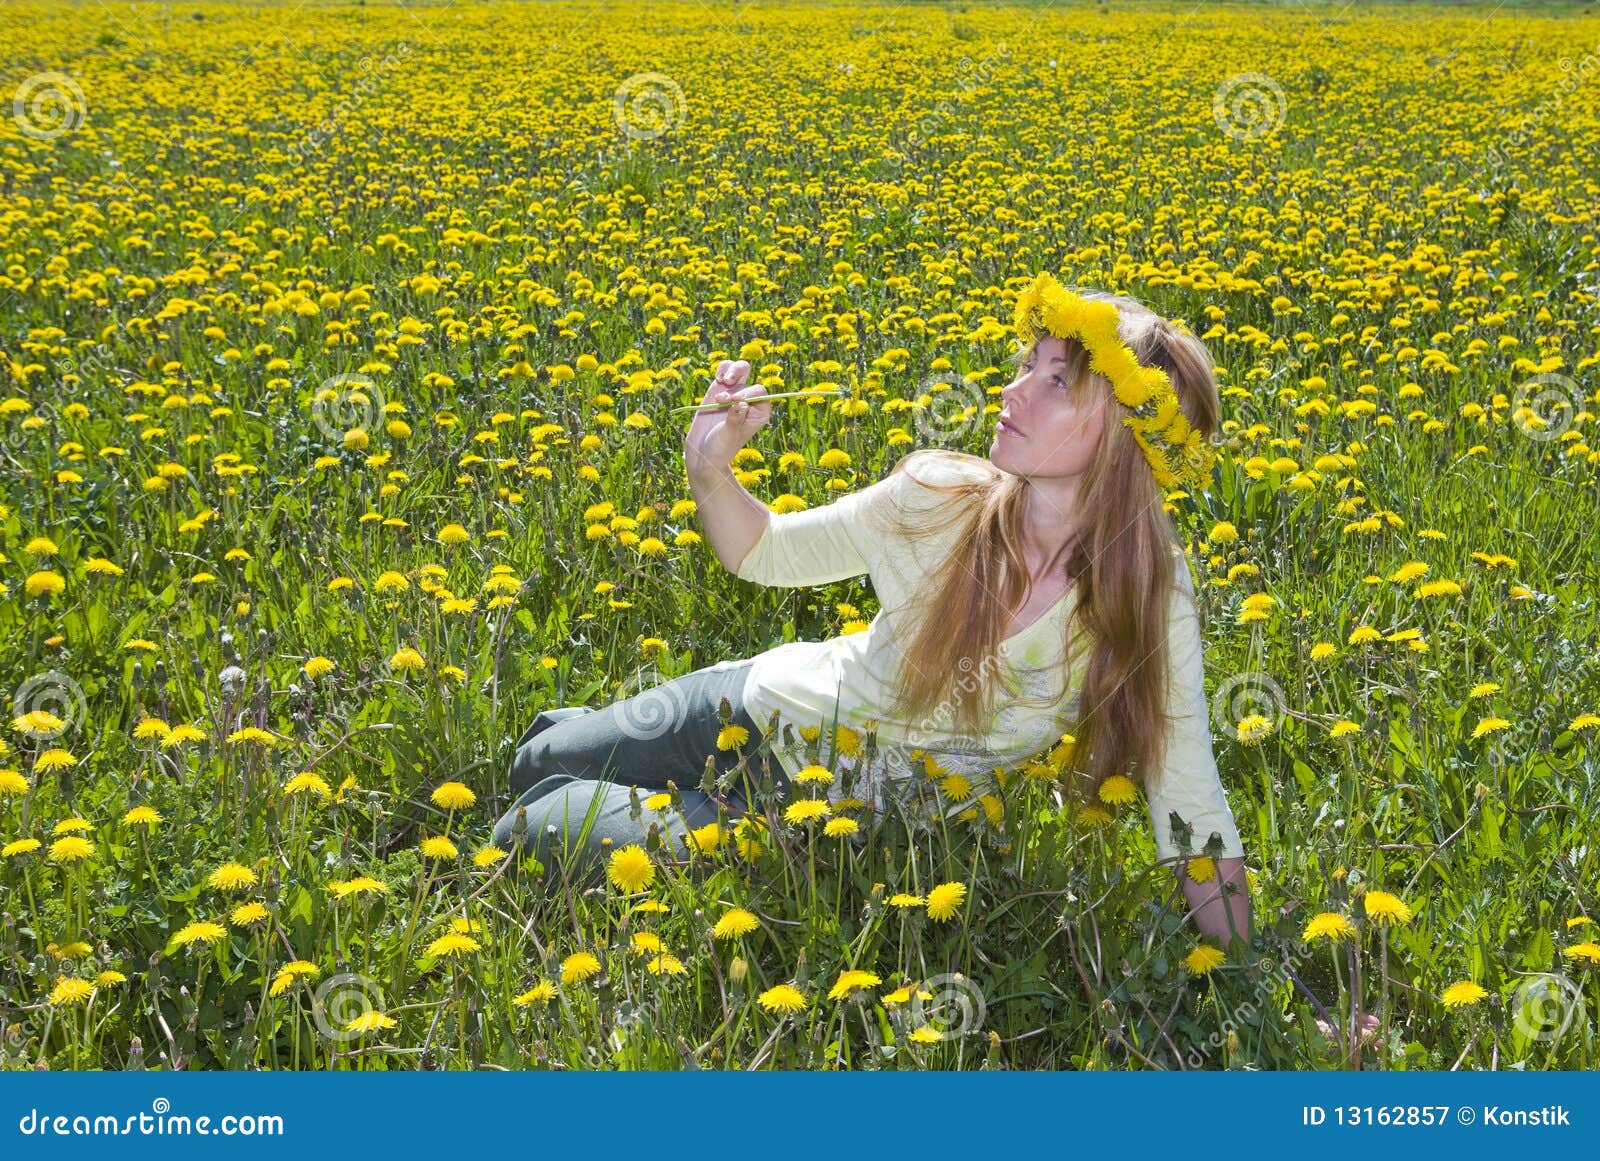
(573, 763)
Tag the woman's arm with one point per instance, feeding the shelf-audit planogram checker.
(1221, 906)
(812, 546)
(1190, 786)
(733, 519)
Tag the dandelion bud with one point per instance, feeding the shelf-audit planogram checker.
(519, 826)
(738, 969)
(724, 711)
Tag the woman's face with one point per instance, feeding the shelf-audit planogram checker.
(1049, 426)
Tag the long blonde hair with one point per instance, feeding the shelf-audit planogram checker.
(1120, 561)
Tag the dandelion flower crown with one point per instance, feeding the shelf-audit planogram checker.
(1178, 454)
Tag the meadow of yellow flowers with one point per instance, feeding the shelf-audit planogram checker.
(339, 342)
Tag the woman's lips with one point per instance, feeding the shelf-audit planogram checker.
(1005, 428)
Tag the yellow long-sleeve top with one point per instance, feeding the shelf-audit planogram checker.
(848, 680)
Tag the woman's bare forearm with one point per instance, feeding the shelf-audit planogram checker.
(732, 518)
(1222, 904)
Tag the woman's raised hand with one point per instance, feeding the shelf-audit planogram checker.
(716, 436)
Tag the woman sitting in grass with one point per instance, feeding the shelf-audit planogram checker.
(1034, 598)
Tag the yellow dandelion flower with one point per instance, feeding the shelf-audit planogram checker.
(704, 839)
(407, 660)
(1588, 950)
(247, 913)
(232, 877)
(373, 1021)
(454, 943)
(579, 966)
(44, 583)
(1328, 925)
(850, 981)
(945, 900)
(1384, 908)
(360, 885)
(202, 932)
(70, 990)
(183, 733)
(453, 796)
(807, 810)
(38, 723)
(785, 998)
(308, 782)
(1203, 959)
(631, 869)
(736, 921)
(72, 849)
(55, 758)
(1462, 994)
(541, 993)
(1118, 790)
(293, 970)
(1201, 869)
(438, 847)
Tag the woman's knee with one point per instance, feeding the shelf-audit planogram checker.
(550, 746)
